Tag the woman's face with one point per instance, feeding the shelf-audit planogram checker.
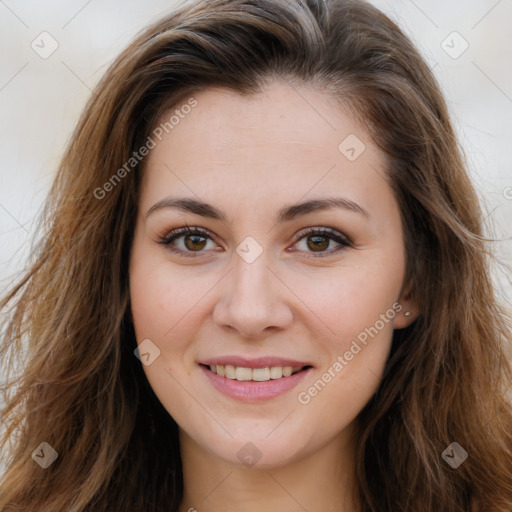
(256, 293)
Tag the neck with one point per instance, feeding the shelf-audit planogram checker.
(322, 481)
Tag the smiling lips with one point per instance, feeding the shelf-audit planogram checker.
(256, 379)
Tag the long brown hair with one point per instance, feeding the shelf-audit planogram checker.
(71, 378)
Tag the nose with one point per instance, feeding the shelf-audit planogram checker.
(253, 300)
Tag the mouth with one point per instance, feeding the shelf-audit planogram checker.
(256, 380)
(262, 374)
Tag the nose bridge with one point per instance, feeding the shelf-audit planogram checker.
(252, 299)
(251, 280)
(251, 260)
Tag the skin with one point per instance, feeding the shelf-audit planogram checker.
(249, 157)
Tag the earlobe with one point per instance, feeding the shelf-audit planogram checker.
(409, 311)
(408, 314)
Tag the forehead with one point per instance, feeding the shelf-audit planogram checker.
(285, 141)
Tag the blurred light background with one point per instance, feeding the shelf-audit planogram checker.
(41, 96)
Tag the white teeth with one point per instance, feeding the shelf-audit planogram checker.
(276, 372)
(287, 371)
(261, 374)
(241, 373)
(229, 371)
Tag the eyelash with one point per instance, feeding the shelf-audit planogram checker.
(325, 232)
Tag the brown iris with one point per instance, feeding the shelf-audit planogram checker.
(319, 242)
(195, 243)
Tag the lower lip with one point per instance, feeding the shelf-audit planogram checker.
(252, 391)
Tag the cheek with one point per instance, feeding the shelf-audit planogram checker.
(354, 357)
(160, 301)
(162, 295)
(358, 309)
(168, 306)
(162, 314)
(150, 303)
(346, 301)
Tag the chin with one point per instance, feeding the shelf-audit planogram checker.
(252, 449)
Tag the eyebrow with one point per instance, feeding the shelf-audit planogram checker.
(286, 214)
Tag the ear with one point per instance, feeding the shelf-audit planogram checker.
(409, 310)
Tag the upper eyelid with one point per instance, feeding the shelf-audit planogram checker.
(324, 230)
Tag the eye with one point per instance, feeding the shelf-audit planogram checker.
(320, 238)
(193, 240)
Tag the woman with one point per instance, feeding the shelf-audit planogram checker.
(261, 283)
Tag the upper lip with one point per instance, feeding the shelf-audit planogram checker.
(258, 362)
